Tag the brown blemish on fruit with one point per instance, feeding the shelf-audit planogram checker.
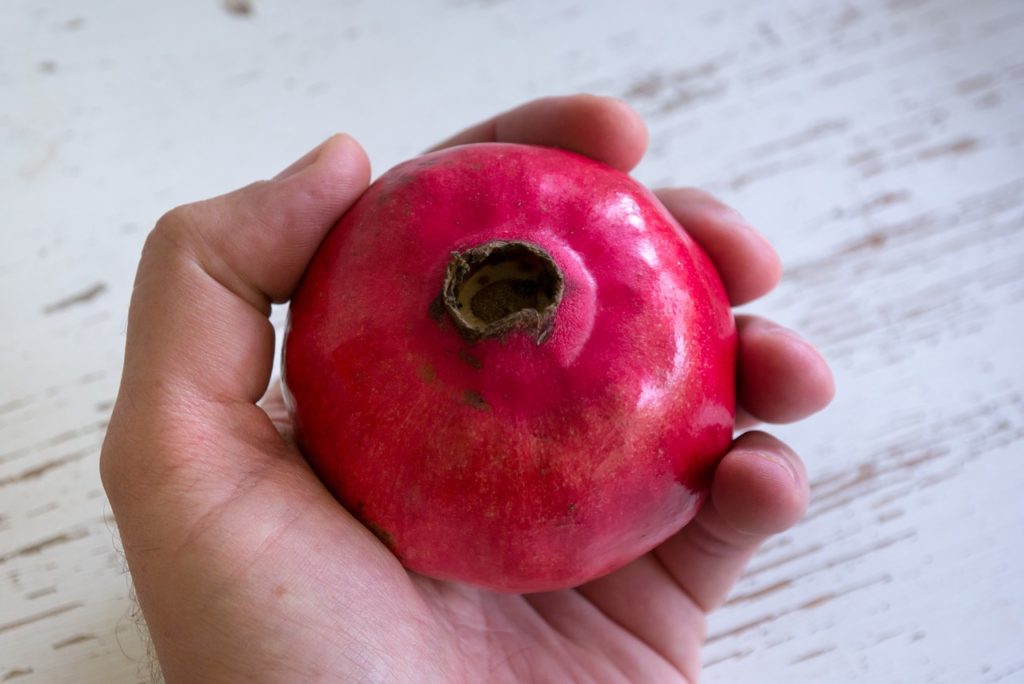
(427, 373)
(475, 400)
(470, 360)
(570, 516)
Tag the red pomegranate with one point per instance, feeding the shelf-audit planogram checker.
(513, 366)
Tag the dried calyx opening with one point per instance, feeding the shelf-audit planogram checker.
(500, 287)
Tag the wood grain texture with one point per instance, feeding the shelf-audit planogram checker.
(879, 144)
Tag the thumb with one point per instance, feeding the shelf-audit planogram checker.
(209, 271)
(200, 347)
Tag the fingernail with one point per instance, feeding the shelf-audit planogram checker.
(767, 327)
(721, 211)
(780, 462)
(732, 216)
(791, 335)
(304, 161)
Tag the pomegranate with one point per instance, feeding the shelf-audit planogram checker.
(513, 366)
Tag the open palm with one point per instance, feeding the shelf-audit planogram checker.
(247, 569)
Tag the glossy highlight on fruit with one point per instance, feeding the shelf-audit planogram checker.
(513, 366)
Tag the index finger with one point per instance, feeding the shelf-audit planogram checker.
(602, 128)
(746, 261)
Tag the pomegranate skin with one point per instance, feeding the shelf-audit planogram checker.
(511, 463)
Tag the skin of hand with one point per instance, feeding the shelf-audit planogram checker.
(247, 570)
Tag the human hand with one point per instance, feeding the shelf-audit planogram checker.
(245, 567)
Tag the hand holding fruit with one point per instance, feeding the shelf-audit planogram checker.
(247, 568)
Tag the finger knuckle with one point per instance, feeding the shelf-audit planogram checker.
(176, 231)
(175, 225)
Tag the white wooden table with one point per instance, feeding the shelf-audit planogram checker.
(879, 144)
